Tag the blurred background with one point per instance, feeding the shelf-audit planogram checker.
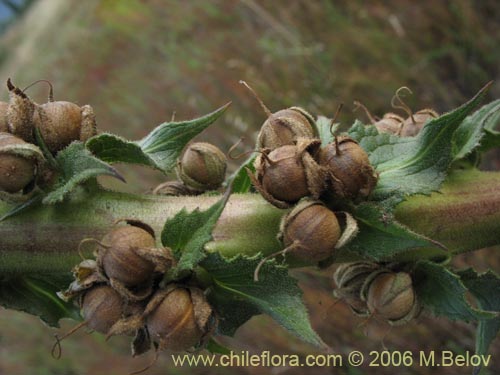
(139, 61)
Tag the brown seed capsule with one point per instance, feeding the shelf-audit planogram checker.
(391, 123)
(289, 173)
(350, 174)
(283, 127)
(391, 296)
(101, 307)
(121, 260)
(415, 122)
(16, 170)
(202, 166)
(179, 318)
(310, 231)
(349, 280)
(60, 122)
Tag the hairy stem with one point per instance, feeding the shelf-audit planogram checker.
(464, 216)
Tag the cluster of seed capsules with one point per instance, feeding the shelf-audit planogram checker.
(293, 170)
(122, 292)
(22, 165)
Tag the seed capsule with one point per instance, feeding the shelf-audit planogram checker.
(285, 127)
(391, 296)
(60, 122)
(179, 318)
(310, 231)
(101, 307)
(350, 174)
(349, 280)
(415, 122)
(202, 166)
(391, 123)
(289, 173)
(17, 169)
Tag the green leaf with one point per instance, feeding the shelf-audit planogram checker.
(236, 297)
(159, 149)
(76, 165)
(413, 165)
(45, 150)
(188, 232)
(486, 289)
(36, 295)
(213, 346)
(443, 293)
(240, 180)
(381, 237)
(326, 129)
(472, 130)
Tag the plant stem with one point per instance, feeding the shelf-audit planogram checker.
(464, 216)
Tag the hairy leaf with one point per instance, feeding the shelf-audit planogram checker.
(486, 289)
(413, 165)
(381, 237)
(159, 149)
(188, 232)
(443, 293)
(237, 297)
(472, 130)
(76, 165)
(36, 295)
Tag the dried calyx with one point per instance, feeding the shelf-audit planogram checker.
(4, 125)
(19, 163)
(179, 318)
(310, 231)
(60, 122)
(289, 173)
(349, 279)
(415, 121)
(349, 172)
(128, 258)
(202, 167)
(391, 296)
(283, 127)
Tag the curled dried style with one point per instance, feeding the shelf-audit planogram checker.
(415, 121)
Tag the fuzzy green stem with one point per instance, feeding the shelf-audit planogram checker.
(464, 216)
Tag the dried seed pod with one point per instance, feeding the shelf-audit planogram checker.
(4, 125)
(128, 258)
(350, 174)
(349, 279)
(202, 166)
(415, 122)
(176, 189)
(283, 127)
(289, 173)
(60, 122)
(390, 123)
(18, 163)
(310, 231)
(101, 308)
(391, 296)
(179, 318)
